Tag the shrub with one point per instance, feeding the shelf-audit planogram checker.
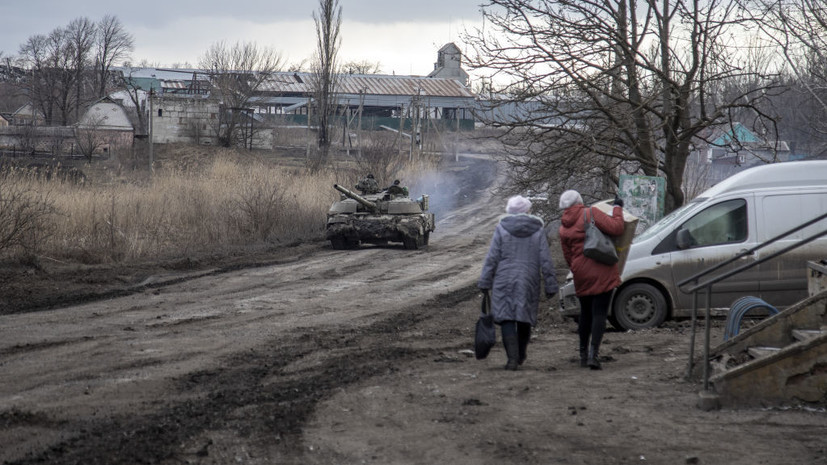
(26, 215)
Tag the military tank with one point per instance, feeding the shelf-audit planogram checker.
(387, 216)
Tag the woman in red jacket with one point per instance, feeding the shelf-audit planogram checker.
(594, 282)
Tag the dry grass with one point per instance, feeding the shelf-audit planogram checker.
(200, 200)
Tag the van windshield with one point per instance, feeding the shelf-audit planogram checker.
(667, 221)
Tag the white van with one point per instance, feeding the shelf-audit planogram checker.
(733, 216)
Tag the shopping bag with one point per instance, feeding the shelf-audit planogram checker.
(485, 336)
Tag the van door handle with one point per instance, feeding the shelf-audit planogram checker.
(744, 251)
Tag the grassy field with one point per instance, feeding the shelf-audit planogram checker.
(198, 199)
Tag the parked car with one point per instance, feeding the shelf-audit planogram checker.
(735, 215)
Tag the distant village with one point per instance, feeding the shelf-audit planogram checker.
(180, 106)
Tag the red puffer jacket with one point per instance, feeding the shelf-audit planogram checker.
(590, 277)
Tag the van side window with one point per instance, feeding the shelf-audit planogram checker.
(722, 223)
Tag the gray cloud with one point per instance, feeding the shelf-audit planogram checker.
(22, 19)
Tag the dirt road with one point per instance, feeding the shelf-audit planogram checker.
(323, 356)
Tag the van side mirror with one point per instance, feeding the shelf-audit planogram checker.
(684, 239)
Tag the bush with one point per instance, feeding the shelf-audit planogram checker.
(26, 215)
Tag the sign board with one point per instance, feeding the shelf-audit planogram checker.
(643, 197)
(623, 241)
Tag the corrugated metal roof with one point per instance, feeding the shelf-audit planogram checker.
(371, 84)
(161, 73)
(380, 86)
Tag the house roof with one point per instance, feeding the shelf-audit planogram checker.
(375, 84)
(28, 110)
(301, 83)
(736, 132)
(450, 46)
(106, 114)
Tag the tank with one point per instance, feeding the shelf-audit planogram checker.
(387, 216)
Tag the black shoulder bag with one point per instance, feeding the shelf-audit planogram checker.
(598, 246)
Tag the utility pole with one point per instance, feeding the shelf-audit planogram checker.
(359, 124)
(151, 118)
(307, 132)
(456, 135)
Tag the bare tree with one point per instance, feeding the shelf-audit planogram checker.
(237, 72)
(80, 34)
(324, 68)
(610, 86)
(112, 43)
(45, 57)
(299, 67)
(24, 214)
(88, 136)
(57, 63)
(137, 94)
(362, 67)
(799, 29)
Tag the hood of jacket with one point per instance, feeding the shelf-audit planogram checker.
(521, 225)
(572, 215)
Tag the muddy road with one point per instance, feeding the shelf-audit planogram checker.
(360, 356)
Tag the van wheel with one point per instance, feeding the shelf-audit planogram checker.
(639, 306)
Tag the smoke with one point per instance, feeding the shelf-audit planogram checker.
(455, 184)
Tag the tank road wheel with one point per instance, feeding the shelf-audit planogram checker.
(352, 244)
(338, 243)
(639, 306)
(412, 243)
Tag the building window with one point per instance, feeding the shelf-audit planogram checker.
(160, 112)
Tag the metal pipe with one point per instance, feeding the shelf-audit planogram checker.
(706, 337)
(705, 272)
(692, 336)
(758, 262)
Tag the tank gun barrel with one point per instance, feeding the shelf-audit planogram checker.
(366, 203)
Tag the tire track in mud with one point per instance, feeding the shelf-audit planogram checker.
(118, 391)
(257, 394)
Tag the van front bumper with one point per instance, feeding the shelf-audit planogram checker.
(569, 305)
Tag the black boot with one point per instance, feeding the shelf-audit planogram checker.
(584, 356)
(594, 358)
(512, 350)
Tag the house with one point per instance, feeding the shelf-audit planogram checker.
(27, 115)
(725, 150)
(105, 126)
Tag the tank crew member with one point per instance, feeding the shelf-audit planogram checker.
(368, 185)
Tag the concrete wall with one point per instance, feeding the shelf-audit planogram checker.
(184, 118)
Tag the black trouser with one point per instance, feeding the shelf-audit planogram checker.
(519, 329)
(593, 312)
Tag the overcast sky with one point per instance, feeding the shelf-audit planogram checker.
(403, 36)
